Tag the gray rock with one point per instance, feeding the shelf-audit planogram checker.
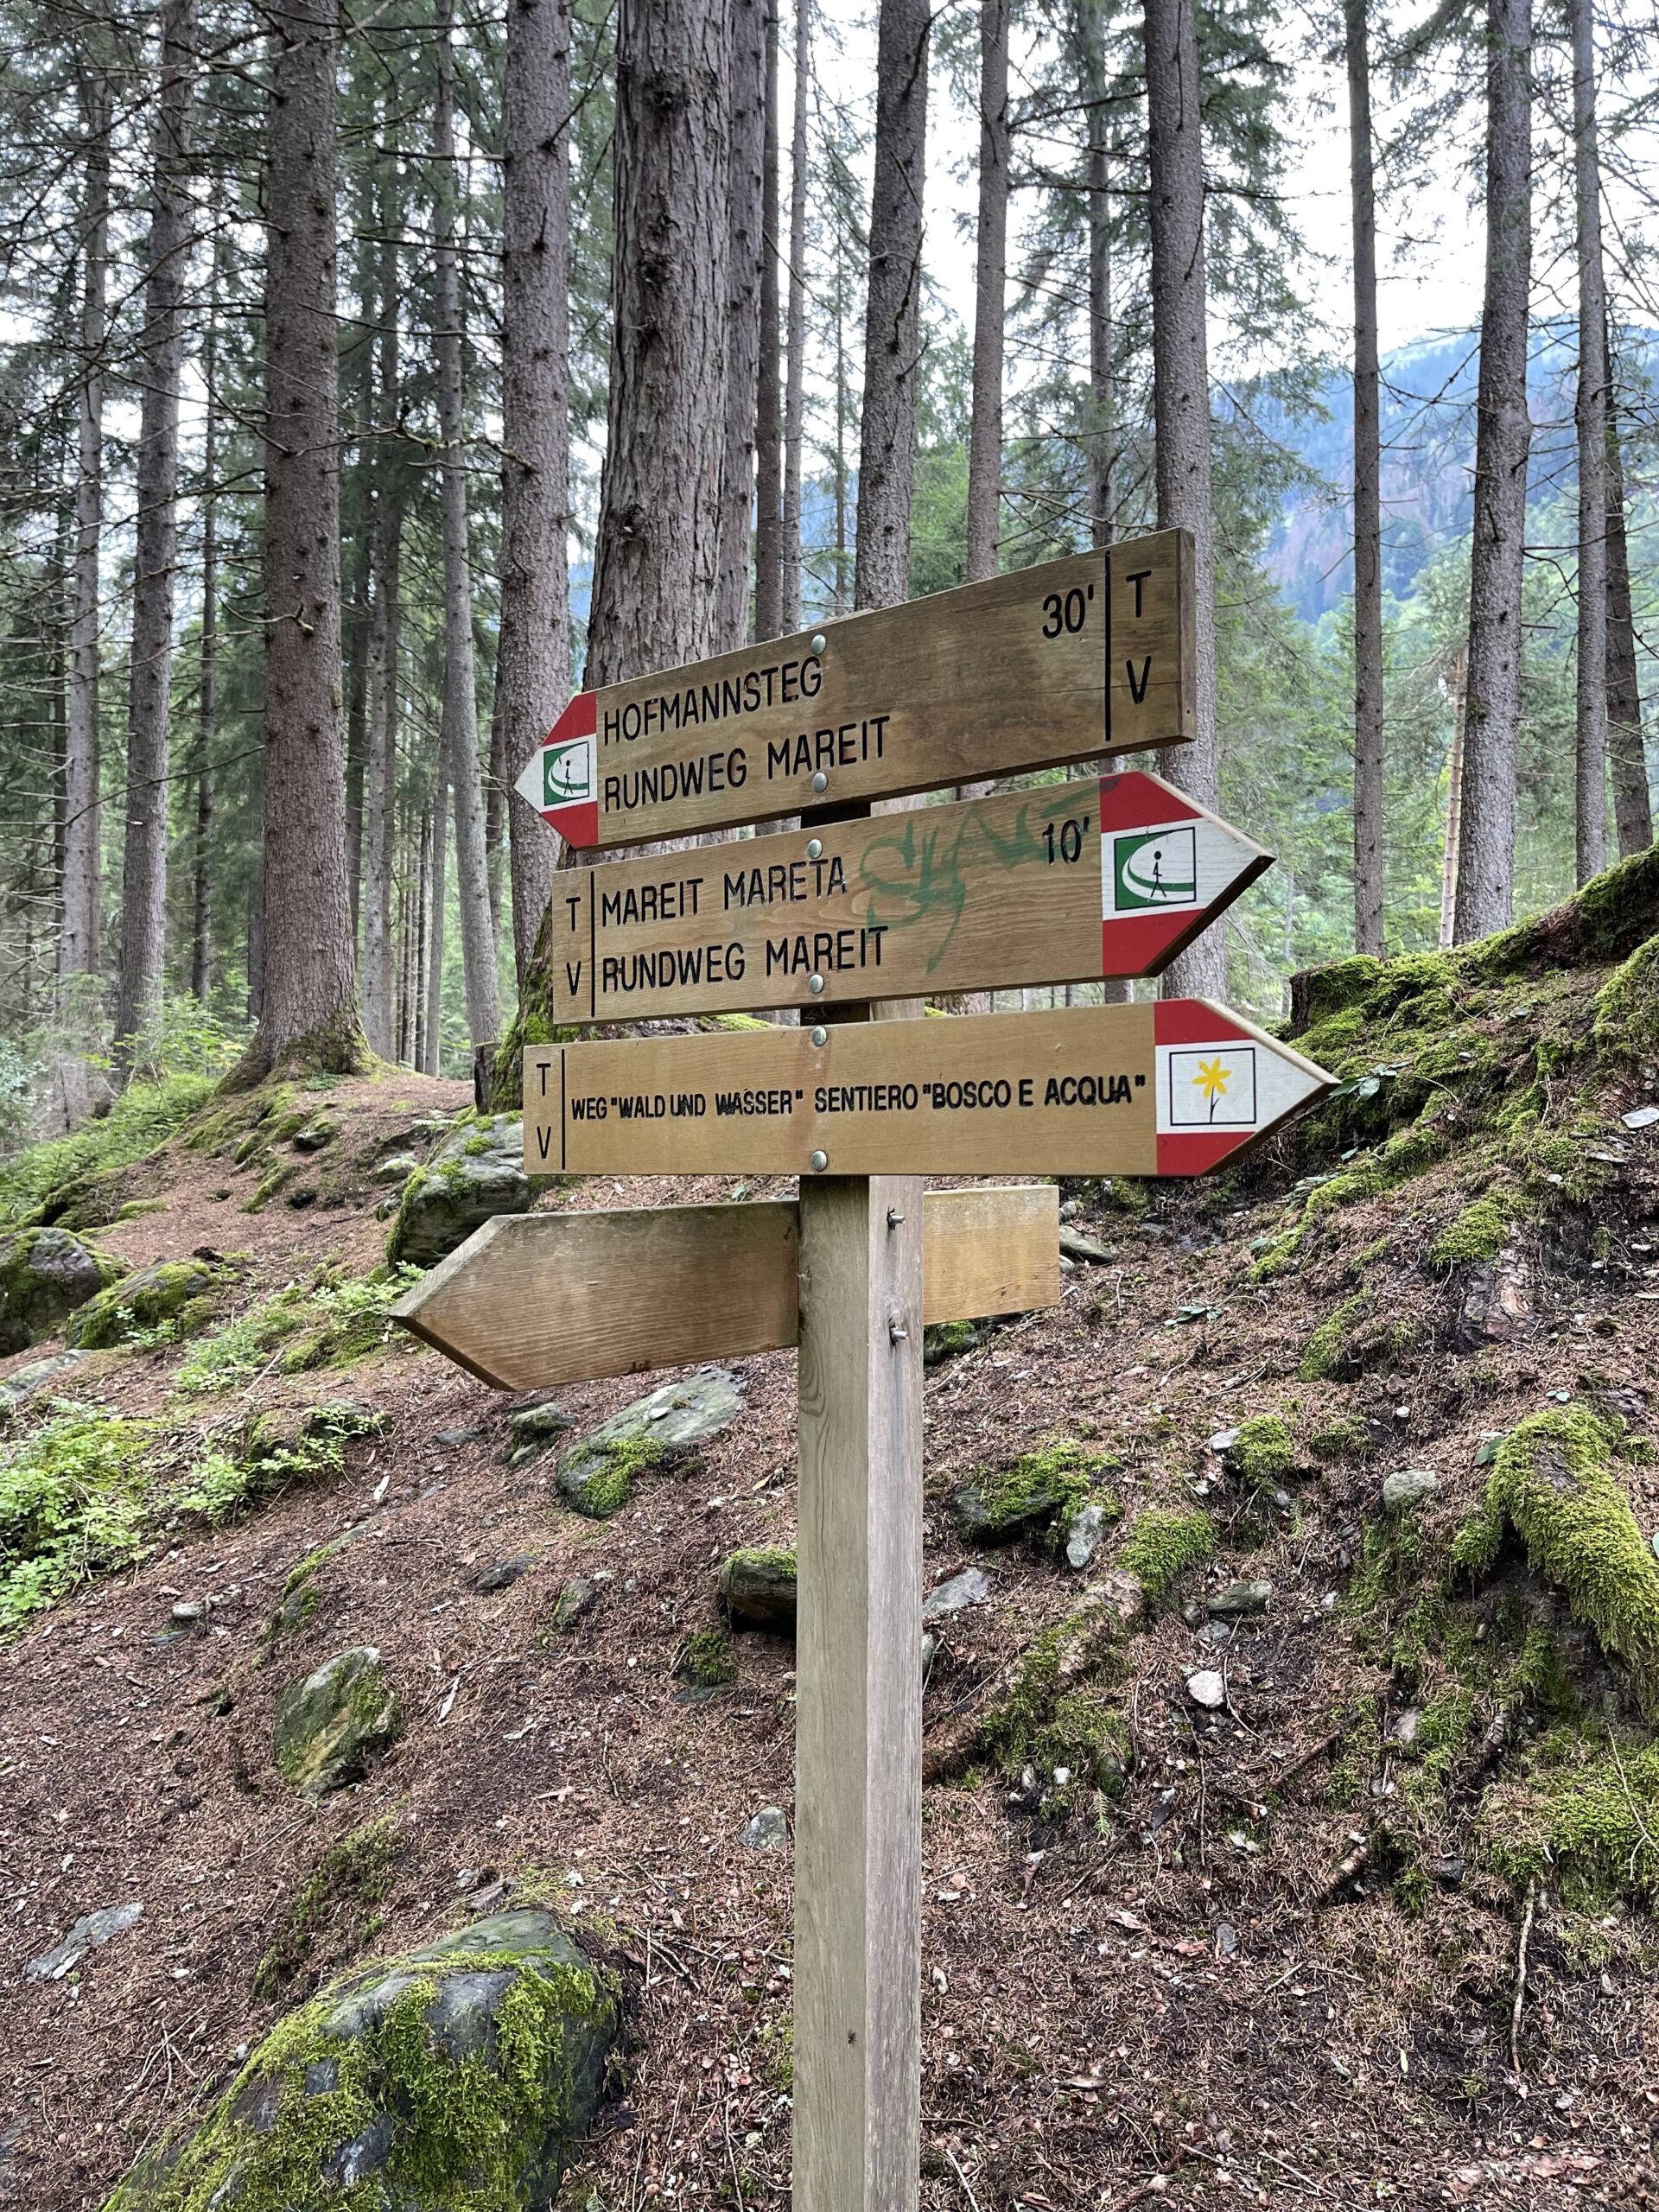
(1407, 1486)
(575, 1600)
(281, 2133)
(757, 1589)
(1077, 1246)
(1208, 1689)
(1216, 1634)
(501, 1573)
(929, 1653)
(530, 1433)
(476, 1173)
(1223, 1441)
(450, 1437)
(315, 1135)
(1119, 1592)
(1405, 1725)
(1084, 1535)
(1640, 1117)
(1239, 1600)
(659, 1432)
(398, 1169)
(28, 1382)
(47, 1275)
(971, 1587)
(334, 1723)
(1448, 1872)
(89, 1933)
(767, 1830)
(167, 1293)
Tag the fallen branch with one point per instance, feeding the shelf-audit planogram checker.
(1521, 1985)
(1350, 1869)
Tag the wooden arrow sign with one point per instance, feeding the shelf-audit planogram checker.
(1076, 657)
(532, 1299)
(1061, 885)
(1170, 1088)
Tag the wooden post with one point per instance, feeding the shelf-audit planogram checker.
(858, 1757)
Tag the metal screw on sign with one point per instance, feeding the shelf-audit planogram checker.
(820, 781)
(819, 1161)
(820, 1036)
(815, 984)
(819, 642)
(815, 849)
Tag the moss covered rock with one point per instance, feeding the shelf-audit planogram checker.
(171, 1294)
(476, 1173)
(45, 1274)
(757, 1589)
(459, 2077)
(331, 1726)
(664, 1429)
(999, 1504)
(1163, 1544)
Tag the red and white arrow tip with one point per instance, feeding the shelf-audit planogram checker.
(1167, 868)
(1222, 1084)
(562, 780)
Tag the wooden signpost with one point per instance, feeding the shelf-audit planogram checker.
(1063, 884)
(1085, 656)
(853, 920)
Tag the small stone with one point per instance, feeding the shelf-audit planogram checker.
(1076, 1246)
(331, 1724)
(757, 1589)
(1222, 1441)
(1116, 1591)
(501, 1574)
(315, 1135)
(1226, 1941)
(533, 1430)
(971, 1587)
(1193, 1614)
(1217, 1634)
(26, 1383)
(654, 1434)
(1208, 1689)
(929, 1653)
(398, 1169)
(767, 1830)
(190, 1612)
(1407, 1486)
(89, 1933)
(577, 1598)
(1239, 1600)
(1406, 1725)
(1448, 1872)
(1085, 1534)
(1640, 1117)
(449, 1438)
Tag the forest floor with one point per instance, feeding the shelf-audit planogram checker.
(1274, 1961)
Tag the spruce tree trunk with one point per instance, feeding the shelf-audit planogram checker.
(753, 250)
(1368, 496)
(794, 342)
(1590, 410)
(155, 548)
(768, 430)
(201, 907)
(658, 556)
(892, 311)
(378, 1019)
(990, 290)
(78, 943)
(1502, 435)
(460, 727)
(1114, 990)
(308, 1011)
(1181, 404)
(533, 665)
(437, 906)
(1633, 803)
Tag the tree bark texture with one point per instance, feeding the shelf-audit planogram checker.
(201, 909)
(1181, 404)
(893, 310)
(1502, 435)
(459, 737)
(795, 342)
(155, 548)
(533, 666)
(990, 295)
(1368, 495)
(1590, 411)
(754, 47)
(657, 556)
(308, 1012)
(1102, 383)
(78, 943)
(437, 906)
(768, 430)
(1633, 803)
(384, 642)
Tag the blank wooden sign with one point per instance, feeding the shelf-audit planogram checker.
(533, 1300)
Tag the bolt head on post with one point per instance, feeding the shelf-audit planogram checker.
(820, 1035)
(819, 641)
(815, 849)
(820, 1160)
(820, 781)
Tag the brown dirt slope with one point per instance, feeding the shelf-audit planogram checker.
(1270, 1953)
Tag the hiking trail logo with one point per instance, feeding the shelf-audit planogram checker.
(568, 772)
(1212, 1088)
(1155, 868)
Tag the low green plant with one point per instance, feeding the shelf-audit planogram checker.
(75, 1502)
(1163, 1544)
(350, 1881)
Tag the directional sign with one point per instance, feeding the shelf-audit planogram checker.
(532, 1299)
(1076, 657)
(1060, 885)
(1169, 1088)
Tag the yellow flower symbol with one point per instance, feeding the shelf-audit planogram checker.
(1213, 1080)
